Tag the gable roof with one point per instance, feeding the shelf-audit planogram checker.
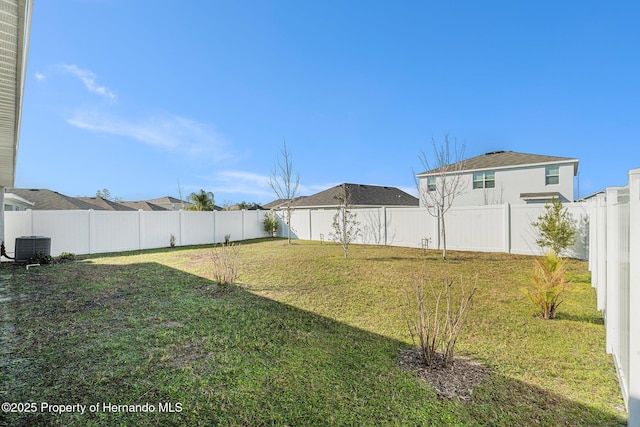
(278, 203)
(251, 207)
(105, 204)
(44, 199)
(143, 205)
(170, 203)
(506, 159)
(361, 195)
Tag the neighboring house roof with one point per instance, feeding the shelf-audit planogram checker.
(105, 204)
(279, 203)
(44, 199)
(15, 200)
(361, 195)
(143, 205)
(505, 159)
(252, 207)
(170, 203)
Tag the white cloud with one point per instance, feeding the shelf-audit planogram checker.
(238, 183)
(89, 79)
(40, 76)
(167, 131)
(242, 182)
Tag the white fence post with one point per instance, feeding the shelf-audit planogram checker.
(181, 227)
(507, 228)
(601, 271)
(634, 297)
(92, 231)
(384, 218)
(140, 228)
(610, 304)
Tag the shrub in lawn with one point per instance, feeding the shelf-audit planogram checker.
(172, 241)
(224, 260)
(345, 222)
(67, 256)
(556, 228)
(435, 322)
(40, 258)
(271, 224)
(549, 282)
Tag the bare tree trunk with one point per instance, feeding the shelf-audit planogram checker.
(284, 183)
(443, 182)
(444, 237)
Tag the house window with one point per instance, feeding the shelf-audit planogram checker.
(431, 183)
(484, 179)
(552, 175)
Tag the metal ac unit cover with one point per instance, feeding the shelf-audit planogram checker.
(27, 246)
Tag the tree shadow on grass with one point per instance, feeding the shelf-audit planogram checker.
(176, 249)
(146, 333)
(594, 318)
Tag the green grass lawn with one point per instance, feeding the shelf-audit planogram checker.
(306, 338)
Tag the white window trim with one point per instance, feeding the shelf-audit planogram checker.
(548, 175)
(484, 179)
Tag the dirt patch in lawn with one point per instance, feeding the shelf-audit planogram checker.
(448, 383)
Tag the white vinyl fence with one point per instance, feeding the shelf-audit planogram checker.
(615, 273)
(495, 228)
(608, 235)
(89, 232)
(498, 228)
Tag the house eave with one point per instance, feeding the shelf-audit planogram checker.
(17, 16)
(505, 168)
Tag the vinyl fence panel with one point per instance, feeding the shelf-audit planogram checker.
(196, 228)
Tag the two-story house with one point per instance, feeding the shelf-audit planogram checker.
(507, 177)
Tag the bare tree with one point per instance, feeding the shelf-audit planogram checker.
(284, 183)
(345, 221)
(443, 181)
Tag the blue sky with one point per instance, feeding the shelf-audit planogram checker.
(138, 96)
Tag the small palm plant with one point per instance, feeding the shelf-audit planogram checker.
(549, 282)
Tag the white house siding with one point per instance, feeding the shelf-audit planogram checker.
(510, 184)
(2, 214)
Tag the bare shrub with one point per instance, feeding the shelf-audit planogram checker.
(435, 317)
(224, 260)
(345, 222)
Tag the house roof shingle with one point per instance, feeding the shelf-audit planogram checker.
(170, 203)
(506, 159)
(105, 204)
(280, 203)
(143, 205)
(44, 199)
(361, 195)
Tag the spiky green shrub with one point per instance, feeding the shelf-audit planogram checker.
(549, 283)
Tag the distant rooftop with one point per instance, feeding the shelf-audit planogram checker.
(506, 159)
(51, 200)
(361, 195)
